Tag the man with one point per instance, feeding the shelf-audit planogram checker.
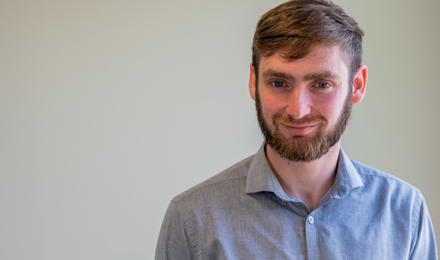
(300, 196)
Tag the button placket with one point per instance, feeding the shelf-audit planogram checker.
(311, 238)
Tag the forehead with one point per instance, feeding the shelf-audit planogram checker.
(320, 58)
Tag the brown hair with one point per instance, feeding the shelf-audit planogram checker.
(293, 27)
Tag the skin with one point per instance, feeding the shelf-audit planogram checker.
(314, 86)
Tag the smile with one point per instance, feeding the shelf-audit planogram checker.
(300, 129)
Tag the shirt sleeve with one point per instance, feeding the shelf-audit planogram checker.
(173, 242)
(423, 244)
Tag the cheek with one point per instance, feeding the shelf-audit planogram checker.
(272, 103)
(271, 106)
(331, 109)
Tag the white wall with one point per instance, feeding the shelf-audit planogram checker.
(108, 109)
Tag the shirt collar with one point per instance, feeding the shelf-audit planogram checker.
(347, 177)
(260, 177)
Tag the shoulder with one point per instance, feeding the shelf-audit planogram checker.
(395, 199)
(388, 187)
(227, 182)
(371, 174)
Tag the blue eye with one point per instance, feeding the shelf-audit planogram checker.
(322, 85)
(278, 84)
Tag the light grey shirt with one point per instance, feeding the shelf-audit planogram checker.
(243, 213)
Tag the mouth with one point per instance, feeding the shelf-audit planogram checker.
(300, 129)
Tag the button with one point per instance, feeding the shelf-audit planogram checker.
(310, 219)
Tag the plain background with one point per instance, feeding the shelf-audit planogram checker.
(108, 109)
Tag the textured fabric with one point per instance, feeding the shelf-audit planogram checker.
(243, 213)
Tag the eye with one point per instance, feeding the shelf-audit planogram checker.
(322, 85)
(278, 84)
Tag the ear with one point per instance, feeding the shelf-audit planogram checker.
(359, 85)
(252, 82)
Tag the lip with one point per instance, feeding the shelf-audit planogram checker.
(300, 129)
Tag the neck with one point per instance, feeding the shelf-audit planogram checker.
(307, 181)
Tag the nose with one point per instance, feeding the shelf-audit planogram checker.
(299, 103)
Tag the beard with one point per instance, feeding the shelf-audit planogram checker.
(301, 148)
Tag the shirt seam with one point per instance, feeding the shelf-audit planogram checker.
(187, 230)
(205, 186)
(387, 177)
(415, 220)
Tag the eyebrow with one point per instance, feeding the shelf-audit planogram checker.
(320, 75)
(272, 73)
(313, 76)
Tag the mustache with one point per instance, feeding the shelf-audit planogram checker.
(302, 121)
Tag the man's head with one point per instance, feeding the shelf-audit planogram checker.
(306, 73)
(293, 27)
